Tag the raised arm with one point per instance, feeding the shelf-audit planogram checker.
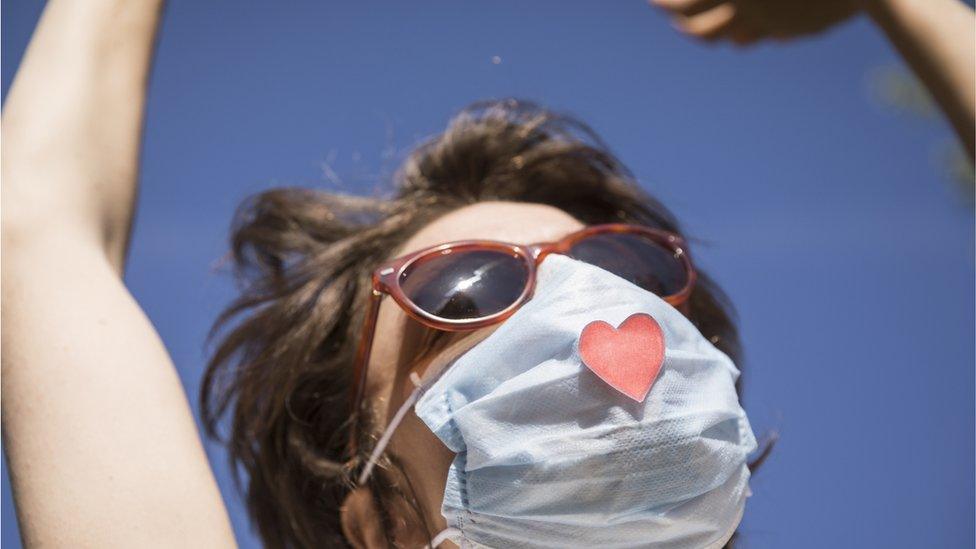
(101, 444)
(935, 37)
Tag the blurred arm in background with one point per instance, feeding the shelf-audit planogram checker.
(936, 37)
(102, 447)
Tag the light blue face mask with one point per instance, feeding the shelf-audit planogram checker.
(549, 455)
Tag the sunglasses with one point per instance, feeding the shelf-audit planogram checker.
(466, 285)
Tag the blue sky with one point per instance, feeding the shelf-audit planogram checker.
(828, 216)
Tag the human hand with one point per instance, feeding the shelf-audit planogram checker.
(747, 21)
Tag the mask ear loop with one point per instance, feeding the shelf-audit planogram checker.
(388, 433)
(419, 388)
(381, 445)
(442, 537)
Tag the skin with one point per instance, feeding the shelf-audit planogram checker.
(91, 464)
(99, 438)
(424, 457)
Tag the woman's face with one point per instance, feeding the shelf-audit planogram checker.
(400, 340)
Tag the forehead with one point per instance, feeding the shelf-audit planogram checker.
(516, 222)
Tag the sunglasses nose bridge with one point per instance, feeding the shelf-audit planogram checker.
(538, 252)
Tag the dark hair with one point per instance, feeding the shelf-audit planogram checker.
(282, 366)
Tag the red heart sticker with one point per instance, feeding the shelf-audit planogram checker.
(628, 358)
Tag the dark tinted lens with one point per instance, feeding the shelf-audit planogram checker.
(465, 285)
(635, 258)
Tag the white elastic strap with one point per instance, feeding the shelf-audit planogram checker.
(442, 537)
(388, 434)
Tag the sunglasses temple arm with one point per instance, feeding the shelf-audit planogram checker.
(362, 364)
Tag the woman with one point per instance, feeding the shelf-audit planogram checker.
(504, 171)
(101, 444)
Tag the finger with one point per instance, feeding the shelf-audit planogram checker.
(687, 7)
(709, 25)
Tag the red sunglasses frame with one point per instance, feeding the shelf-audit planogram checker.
(386, 280)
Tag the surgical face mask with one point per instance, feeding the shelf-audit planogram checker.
(551, 455)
